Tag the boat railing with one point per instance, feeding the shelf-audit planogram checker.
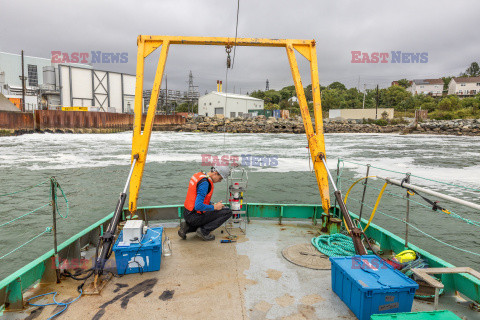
(51, 203)
(418, 203)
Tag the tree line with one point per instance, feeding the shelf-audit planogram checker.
(337, 96)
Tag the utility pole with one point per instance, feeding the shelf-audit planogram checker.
(376, 105)
(364, 93)
(267, 86)
(23, 85)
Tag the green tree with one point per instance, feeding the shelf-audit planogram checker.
(351, 99)
(259, 94)
(331, 99)
(337, 85)
(473, 70)
(472, 104)
(446, 81)
(271, 106)
(186, 107)
(395, 97)
(287, 92)
(308, 93)
(425, 102)
(272, 96)
(449, 103)
(404, 83)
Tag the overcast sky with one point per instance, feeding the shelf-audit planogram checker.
(447, 30)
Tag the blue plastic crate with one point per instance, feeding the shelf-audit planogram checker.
(139, 258)
(425, 315)
(368, 285)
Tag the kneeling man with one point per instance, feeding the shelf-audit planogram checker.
(200, 215)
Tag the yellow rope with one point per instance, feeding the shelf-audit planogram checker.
(376, 203)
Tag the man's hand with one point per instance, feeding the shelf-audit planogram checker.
(218, 206)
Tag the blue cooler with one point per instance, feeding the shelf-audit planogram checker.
(139, 257)
(368, 285)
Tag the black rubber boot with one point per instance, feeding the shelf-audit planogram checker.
(182, 232)
(205, 237)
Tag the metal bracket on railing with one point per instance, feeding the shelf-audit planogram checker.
(407, 214)
(355, 233)
(53, 186)
(364, 191)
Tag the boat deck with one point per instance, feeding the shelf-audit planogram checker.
(248, 279)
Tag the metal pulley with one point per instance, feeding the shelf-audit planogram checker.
(228, 49)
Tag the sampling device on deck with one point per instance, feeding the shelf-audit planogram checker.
(237, 184)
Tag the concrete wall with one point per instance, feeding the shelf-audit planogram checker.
(53, 120)
(360, 113)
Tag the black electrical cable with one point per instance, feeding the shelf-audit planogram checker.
(140, 268)
(236, 33)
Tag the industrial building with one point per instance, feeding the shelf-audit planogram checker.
(231, 105)
(96, 89)
(36, 76)
(51, 86)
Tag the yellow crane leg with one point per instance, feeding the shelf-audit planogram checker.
(316, 142)
(141, 141)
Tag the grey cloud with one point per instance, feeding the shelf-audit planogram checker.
(447, 31)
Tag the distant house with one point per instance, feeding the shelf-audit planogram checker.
(431, 87)
(293, 99)
(464, 86)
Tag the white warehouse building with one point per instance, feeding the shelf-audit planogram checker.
(236, 104)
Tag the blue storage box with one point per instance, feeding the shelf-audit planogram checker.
(424, 315)
(139, 257)
(368, 285)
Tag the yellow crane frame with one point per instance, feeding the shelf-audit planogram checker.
(140, 141)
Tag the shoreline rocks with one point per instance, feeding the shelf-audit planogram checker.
(261, 124)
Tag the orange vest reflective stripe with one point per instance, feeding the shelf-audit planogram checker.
(192, 191)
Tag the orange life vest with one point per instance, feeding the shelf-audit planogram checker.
(192, 191)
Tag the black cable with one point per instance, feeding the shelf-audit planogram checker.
(236, 32)
(78, 273)
(434, 204)
(140, 268)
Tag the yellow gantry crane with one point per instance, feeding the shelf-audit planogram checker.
(141, 140)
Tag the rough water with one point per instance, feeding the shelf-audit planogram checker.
(92, 168)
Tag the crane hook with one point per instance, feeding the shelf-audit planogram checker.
(228, 49)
